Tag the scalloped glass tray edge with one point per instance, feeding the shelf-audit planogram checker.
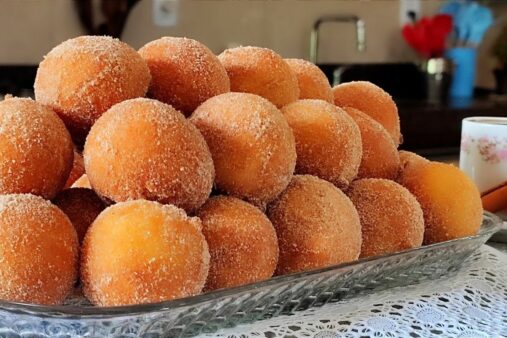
(228, 307)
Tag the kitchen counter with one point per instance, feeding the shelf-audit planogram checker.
(435, 129)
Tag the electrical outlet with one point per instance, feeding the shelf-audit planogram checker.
(165, 12)
(407, 7)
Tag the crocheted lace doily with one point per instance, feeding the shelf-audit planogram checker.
(472, 303)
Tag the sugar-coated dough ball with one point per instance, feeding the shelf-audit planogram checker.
(242, 242)
(82, 206)
(36, 150)
(391, 218)
(380, 157)
(82, 182)
(409, 158)
(83, 77)
(251, 143)
(261, 71)
(185, 73)
(77, 170)
(38, 251)
(328, 141)
(145, 149)
(313, 83)
(371, 100)
(450, 201)
(316, 224)
(143, 252)
(408, 161)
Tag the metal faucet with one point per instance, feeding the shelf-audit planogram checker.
(360, 32)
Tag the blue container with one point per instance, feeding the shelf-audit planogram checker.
(463, 80)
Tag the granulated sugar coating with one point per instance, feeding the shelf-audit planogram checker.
(143, 252)
(38, 251)
(371, 100)
(408, 158)
(83, 77)
(82, 182)
(82, 206)
(36, 151)
(252, 145)
(316, 224)
(380, 157)
(185, 73)
(408, 161)
(77, 170)
(391, 217)
(261, 71)
(242, 242)
(142, 148)
(328, 141)
(313, 83)
(450, 201)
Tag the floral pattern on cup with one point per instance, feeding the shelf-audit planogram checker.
(466, 143)
(492, 150)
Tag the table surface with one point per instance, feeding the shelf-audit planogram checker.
(472, 303)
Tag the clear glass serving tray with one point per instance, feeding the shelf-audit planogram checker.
(226, 308)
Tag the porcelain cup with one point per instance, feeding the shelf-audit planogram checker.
(483, 154)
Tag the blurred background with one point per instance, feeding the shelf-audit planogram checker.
(376, 40)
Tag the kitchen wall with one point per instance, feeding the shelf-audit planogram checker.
(31, 27)
(283, 25)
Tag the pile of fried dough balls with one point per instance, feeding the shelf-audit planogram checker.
(200, 172)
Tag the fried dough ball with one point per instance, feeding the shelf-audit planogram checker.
(77, 170)
(242, 242)
(316, 224)
(261, 71)
(328, 141)
(391, 218)
(380, 157)
(313, 83)
(82, 182)
(143, 252)
(252, 145)
(409, 160)
(82, 206)
(36, 150)
(83, 77)
(185, 73)
(145, 149)
(38, 251)
(450, 201)
(371, 100)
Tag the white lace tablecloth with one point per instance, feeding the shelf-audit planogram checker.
(472, 304)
